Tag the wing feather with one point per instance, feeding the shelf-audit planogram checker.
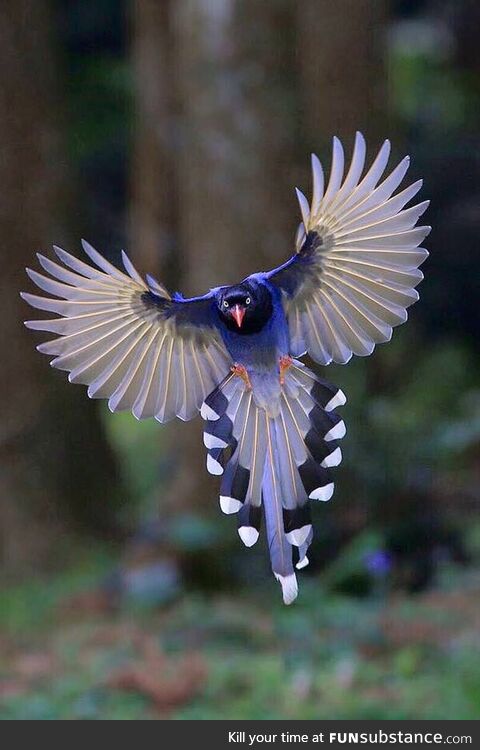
(126, 339)
(356, 267)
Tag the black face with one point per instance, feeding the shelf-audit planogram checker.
(245, 308)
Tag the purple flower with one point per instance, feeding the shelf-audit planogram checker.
(378, 562)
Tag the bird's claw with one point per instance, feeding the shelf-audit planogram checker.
(285, 363)
(241, 372)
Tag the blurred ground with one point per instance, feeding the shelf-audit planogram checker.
(68, 652)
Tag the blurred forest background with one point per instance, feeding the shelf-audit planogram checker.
(178, 129)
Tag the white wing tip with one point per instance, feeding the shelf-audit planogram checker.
(136, 411)
(304, 207)
(131, 270)
(248, 535)
(112, 404)
(322, 493)
(229, 505)
(289, 587)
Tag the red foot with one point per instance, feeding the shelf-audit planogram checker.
(285, 363)
(242, 373)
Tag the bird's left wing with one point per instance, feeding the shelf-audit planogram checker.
(128, 340)
(356, 267)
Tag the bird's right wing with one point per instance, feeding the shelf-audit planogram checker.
(128, 340)
(356, 267)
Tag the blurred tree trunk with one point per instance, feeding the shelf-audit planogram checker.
(153, 217)
(56, 471)
(227, 140)
(343, 73)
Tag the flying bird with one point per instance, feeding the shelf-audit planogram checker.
(271, 424)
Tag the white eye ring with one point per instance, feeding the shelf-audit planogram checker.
(225, 303)
(247, 301)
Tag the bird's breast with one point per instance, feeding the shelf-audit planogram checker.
(260, 355)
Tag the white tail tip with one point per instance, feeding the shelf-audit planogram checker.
(337, 432)
(207, 412)
(322, 493)
(229, 505)
(289, 587)
(211, 441)
(213, 467)
(248, 535)
(299, 536)
(302, 563)
(338, 400)
(333, 459)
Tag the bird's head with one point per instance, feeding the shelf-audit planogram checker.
(245, 307)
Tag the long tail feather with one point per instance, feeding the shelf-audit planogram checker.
(274, 480)
(282, 462)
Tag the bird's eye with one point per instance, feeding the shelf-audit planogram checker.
(247, 301)
(225, 303)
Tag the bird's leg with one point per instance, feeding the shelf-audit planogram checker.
(241, 371)
(285, 363)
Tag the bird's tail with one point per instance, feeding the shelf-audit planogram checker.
(281, 462)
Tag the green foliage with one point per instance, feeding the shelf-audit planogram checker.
(140, 447)
(426, 87)
(325, 656)
(32, 603)
(99, 88)
(405, 422)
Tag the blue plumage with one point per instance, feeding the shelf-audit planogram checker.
(261, 340)
(271, 427)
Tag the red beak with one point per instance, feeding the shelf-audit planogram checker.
(238, 312)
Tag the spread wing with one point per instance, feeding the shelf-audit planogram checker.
(356, 267)
(128, 340)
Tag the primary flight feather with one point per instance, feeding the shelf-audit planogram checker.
(272, 430)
